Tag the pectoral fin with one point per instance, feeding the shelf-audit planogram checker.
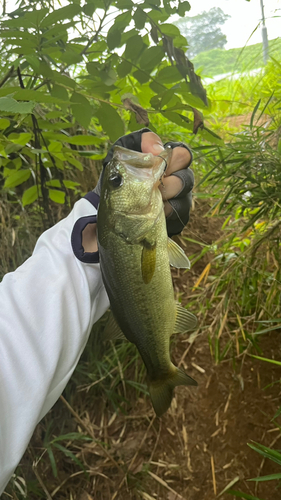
(112, 330)
(177, 256)
(148, 262)
(185, 320)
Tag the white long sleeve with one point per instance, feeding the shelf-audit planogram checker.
(47, 308)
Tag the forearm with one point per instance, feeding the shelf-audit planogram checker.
(47, 309)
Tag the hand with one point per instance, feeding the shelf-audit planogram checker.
(171, 185)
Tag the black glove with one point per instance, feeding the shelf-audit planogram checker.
(181, 203)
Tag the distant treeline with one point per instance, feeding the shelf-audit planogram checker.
(219, 61)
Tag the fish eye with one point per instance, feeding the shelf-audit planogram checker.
(115, 180)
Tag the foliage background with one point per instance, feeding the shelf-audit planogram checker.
(63, 85)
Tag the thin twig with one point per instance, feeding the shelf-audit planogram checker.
(48, 496)
(7, 76)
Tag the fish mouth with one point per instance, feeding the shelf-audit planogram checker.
(143, 166)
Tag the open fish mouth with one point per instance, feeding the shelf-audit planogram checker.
(142, 166)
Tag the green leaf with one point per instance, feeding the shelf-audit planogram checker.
(34, 62)
(68, 12)
(157, 87)
(139, 18)
(72, 436)
(122, 21)
(277, 413)
(93, 155)
(124, 69)
(211, 136)
(266, 452)
(94, 68)
(180, 120)
(170, 74)
(30, 195)
(4, 123)
(9, 105)
(170, 30)
(64, 80)
(113, 38)
(134, 47)
(183, 8)
(81, 109)
(54, 183)
(71, 57)
(124, 4)
(89, 9)
(270, 477)
(268, 360)
(59, 92)
(167, 96)
(240, 494)
(110, 121)
(8, 91)
(141, 76)
(84, 140)
(78, 140)
(36, 96)
(69, 454)
(76, 163)
(21, 139)
(254, 112)
(52, 461)
(108, 76)
(17, 178)
(151, 58)
(71, 184)
(180, 41)
(57, 196)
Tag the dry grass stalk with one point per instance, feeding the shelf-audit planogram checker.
(163, 483)
(133, 459)
(213, 474)
(90, 432)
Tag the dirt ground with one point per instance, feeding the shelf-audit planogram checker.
(199, 446)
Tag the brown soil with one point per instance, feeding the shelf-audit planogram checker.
(198, 447)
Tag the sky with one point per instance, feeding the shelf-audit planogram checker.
(245, 16)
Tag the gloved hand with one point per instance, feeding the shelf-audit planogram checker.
(179, 179)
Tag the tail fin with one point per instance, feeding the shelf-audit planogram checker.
(161, 391)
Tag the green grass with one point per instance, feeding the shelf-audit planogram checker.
(220, 61)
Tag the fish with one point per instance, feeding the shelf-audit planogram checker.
(135, 255)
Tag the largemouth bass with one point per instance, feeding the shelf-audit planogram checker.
(135, 257)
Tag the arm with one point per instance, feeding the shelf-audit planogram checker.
(47, 308)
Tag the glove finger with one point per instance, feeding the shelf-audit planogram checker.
(174, 145)
(180, 214)
(187, 178)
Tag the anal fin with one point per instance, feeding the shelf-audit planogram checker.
(112, 330)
